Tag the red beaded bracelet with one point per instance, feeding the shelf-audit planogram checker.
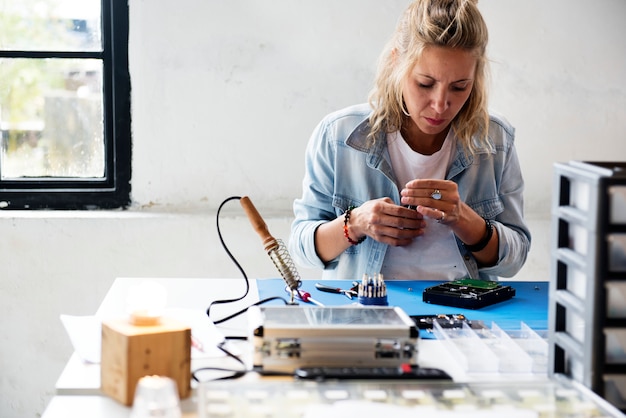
(345, 227)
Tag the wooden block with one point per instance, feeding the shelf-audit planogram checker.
(130, 352)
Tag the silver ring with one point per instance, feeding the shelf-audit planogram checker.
(443, 217)
(436, 194)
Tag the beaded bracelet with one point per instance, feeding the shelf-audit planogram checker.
(345, 227)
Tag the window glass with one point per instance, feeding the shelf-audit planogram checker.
(51, 118)
(65, 138)
(50, 25)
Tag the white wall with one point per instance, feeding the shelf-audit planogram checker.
(225, 95)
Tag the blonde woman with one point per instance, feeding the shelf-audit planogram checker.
(422, 182)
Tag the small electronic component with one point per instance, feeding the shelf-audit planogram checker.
(445, 320)
(468, 293)
(427, 322)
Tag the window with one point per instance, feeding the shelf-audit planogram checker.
(64, 104)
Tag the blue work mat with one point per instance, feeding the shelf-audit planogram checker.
(529, 305)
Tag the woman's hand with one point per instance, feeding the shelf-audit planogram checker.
(435, 199)
(385, 221)
(380, 219)
(440, 200)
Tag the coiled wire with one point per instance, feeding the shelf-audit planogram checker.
(283, 262)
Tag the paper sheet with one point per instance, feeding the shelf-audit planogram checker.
(85, 333)
(206, 336)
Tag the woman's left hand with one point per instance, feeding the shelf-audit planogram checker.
(435, 199)
(440, 200)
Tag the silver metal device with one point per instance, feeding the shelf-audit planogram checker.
(285, 338)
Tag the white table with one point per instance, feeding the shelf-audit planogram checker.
(78, 387)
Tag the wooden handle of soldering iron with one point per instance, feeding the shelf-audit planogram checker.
(258, 223)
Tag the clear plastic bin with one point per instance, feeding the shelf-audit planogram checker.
(534, 345)
(491, 350)
(617, 252)
(615, 390)
(471, 352)
(615, 345)
(617, 199)
(616, 299)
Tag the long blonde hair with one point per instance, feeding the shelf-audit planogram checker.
(442, 23)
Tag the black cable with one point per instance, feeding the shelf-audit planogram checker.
(236, 337)
(243, 273)
(273, 373)
(235, 373)
(219, 321)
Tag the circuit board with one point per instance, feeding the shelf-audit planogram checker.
(468, 293)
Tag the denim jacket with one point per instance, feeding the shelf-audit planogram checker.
(342, 169)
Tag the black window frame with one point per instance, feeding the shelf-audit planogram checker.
(113, 190)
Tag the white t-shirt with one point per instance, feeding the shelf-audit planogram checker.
(434, 255)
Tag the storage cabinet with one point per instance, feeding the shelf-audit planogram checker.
(587, 311)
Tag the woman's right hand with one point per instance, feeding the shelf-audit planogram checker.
(379, 219)
(385, 221)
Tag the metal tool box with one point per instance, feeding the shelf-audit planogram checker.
(285, 338)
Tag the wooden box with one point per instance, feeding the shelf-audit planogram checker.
(130, 352)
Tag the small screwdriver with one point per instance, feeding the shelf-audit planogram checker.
(303, 296)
